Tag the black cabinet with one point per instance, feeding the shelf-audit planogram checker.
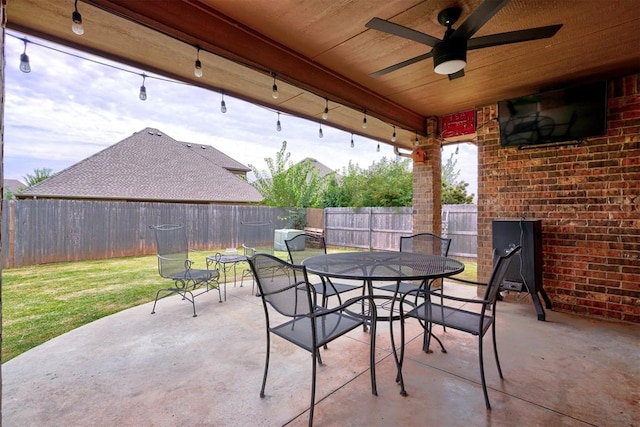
(525, 272)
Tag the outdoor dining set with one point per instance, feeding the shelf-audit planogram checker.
(349, 290)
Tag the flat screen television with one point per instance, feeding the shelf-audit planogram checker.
(562, 115)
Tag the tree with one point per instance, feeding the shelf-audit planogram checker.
(454, 192)
(39, 175)
(288, 185)
(385, 183)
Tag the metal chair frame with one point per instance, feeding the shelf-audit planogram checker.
(326, 286)
(174, 264)
(284, 289)
(473, 321)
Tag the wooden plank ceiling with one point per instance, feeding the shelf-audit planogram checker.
(321, 50)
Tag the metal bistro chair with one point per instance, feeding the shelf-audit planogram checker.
(285, 291)
(424, 243)
(304, 246)
(174, 264)
(471, 317)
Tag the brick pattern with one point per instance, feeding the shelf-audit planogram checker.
(588, 198)
(427, 185)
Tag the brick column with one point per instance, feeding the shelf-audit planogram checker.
(427, 184)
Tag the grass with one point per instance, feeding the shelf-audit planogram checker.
(44, 301)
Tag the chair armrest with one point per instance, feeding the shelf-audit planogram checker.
(439, 293)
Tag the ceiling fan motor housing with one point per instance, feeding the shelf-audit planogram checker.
(450, 56)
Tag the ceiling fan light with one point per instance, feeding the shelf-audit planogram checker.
(450, 56)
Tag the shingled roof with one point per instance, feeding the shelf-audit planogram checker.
(152, 166)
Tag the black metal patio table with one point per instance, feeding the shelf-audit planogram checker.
(383, 266)
(387, 267)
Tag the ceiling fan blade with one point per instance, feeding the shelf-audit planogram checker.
(513, 37)
(478, 18)
(399, 30)
(401, 65)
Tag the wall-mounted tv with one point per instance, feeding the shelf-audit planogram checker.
(562, 115)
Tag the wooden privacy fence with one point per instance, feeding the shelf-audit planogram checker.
(48, 230)
(381, 228)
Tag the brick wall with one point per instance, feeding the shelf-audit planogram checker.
(588, 198)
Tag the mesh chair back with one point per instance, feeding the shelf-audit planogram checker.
(425, 243)
(282, 285)
(501, 265)
(172, 248)
(257, 237)
(302, 247)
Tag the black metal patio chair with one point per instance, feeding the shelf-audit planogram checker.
(174, 264)
(304, 246)
(285, 291)
(468, 315)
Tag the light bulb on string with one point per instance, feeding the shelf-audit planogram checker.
(278, 125)
(320, 134)
(197, 68)
(364, 120)
(417, 141)
(76, 21)
(393, 137)
(24, 59)
(352, 143)
(378, 148)
(457, 149)
(143, 90)
(223, 105)
(274, 88)
(325, 113)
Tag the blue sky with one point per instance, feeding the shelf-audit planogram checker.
(68, 109)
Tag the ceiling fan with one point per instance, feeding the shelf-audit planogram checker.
(450, 53)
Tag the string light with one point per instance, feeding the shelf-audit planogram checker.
(25, 67)
(197, 68)
(76, 18)
(457, 149)
(274, 88)
(24, 59)
(223, 105)
(378, 148)
(143, 90)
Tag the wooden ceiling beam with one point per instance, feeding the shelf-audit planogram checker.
(195, 23)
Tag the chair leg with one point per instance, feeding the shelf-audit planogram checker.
(484, 384)
(266, 364)
(495, 348)
(313, 386)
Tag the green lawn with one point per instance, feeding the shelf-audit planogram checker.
(44, 301)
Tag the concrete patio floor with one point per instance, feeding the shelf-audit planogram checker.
(170, 369)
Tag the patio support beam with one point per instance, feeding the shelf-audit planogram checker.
(195, 23)
(427, 184)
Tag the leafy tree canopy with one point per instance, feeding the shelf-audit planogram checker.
(38, 175)
(454, 192)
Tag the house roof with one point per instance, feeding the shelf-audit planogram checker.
(12, 185)
(323, 170)
(150, 165)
